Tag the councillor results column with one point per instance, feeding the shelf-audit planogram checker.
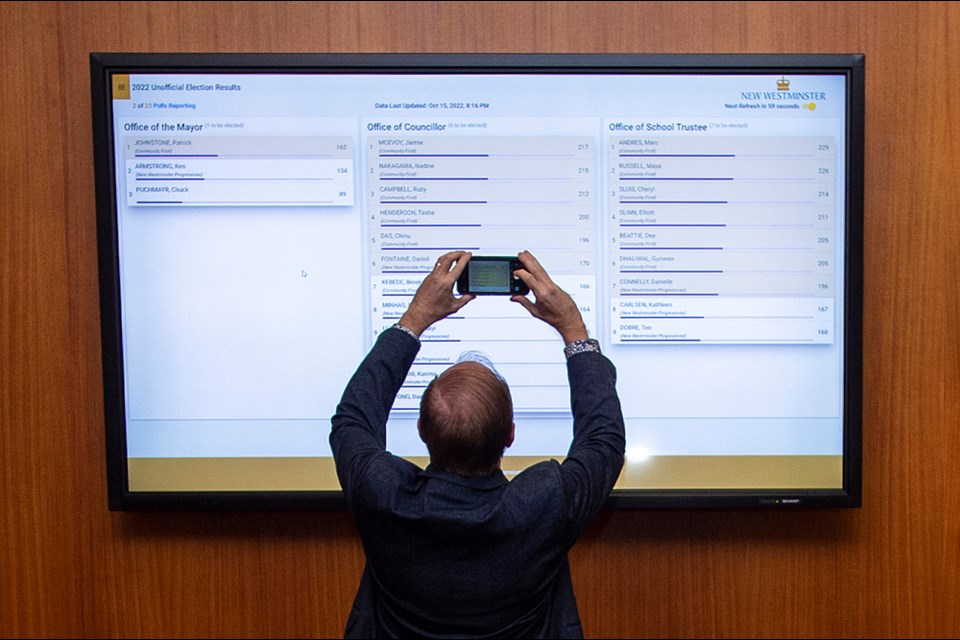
(491, 194)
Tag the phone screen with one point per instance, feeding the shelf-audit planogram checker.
(488, 276)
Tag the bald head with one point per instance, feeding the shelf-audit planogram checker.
(466, 419)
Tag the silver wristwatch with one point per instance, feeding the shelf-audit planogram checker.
(579, 346)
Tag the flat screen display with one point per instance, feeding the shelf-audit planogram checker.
(262, 218)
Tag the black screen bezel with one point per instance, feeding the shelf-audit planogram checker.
(103, 65)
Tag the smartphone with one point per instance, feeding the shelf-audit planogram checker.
(492, 276)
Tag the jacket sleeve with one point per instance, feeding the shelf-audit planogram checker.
(359, 427)
(596, 454)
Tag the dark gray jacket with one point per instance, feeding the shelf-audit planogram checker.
(470, 557)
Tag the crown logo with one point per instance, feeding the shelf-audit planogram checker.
(783, 84)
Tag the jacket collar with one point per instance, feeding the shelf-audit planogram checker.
(490, 481)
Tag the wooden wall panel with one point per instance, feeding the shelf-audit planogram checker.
(70, 568)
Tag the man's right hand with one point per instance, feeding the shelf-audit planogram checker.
(553, 305)
(434, 299)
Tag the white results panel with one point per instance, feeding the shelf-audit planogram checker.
(723, 240)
